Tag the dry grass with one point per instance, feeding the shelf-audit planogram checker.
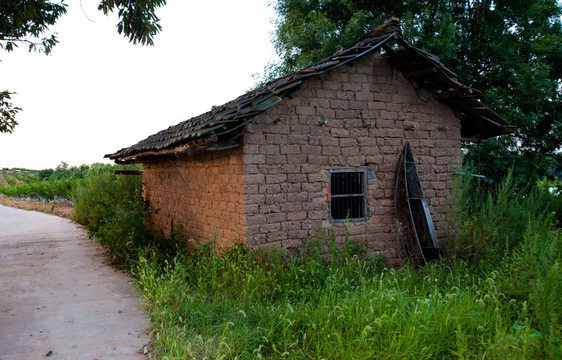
(58, 209)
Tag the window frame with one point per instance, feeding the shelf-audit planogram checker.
(363, 171)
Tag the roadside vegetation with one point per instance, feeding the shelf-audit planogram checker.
(495, 293)
(49, 185)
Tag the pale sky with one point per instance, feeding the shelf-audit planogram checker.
(97, 93)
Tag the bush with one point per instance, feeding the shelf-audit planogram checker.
(47, 191)
(535, 281)
(11, 181)
(497, 294)
(491, 226)
(45, 185)
(110, 206)
(24, 175)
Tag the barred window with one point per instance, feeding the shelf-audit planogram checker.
(348, 195)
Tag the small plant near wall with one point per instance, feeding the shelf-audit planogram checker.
(498, 297)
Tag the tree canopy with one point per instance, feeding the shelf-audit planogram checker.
(28, 22)
(510, 50)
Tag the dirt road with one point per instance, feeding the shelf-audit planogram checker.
(59, 298)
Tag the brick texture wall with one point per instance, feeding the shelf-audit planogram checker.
(212, 203)
(370, 111)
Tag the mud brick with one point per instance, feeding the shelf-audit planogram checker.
(272, 190)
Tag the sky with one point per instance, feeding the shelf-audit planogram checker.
(98, 93)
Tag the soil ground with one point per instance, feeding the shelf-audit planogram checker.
(60, 297)
(58, 209)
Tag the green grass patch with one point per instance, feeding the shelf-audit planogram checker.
(243, 305)
(495, 295)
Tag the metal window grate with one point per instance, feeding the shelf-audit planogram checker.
(348, 195)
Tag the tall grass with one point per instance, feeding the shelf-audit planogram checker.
(490, 225)
(497, 296)
(111, 208)
(244, 306)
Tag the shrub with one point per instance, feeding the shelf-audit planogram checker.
(333, 302)
(47, 191)
(535, 281)
(491, 226)
(10, 180)
(110, 206)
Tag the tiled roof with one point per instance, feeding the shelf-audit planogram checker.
(214, 130)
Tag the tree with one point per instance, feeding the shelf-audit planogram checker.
(28, 22)
(511, 50)
(7, 113)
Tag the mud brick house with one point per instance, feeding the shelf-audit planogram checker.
(307, 150)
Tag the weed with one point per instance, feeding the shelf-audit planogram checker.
(495, 295)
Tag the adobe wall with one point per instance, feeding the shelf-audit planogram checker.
(211, 204)
(370, 109)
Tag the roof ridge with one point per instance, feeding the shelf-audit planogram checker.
(391, 25)
(222, 122)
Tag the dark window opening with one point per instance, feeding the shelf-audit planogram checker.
(348, 195)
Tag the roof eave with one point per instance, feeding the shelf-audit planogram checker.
(217, 124)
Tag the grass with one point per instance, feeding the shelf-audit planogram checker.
(245, 306)
(495, 295)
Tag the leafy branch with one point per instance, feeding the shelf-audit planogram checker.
(7, 113)
(28, 22)
(138, 21)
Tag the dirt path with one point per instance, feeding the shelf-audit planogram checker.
(59, 297)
